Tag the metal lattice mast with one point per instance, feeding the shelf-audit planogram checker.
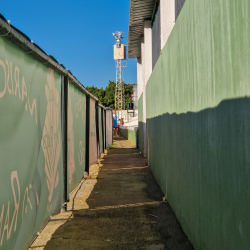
(119, 92)
(119, 56)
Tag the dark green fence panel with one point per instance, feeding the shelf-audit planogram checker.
(109, 128)
(100, 129)
(31, 180)
(76, 135)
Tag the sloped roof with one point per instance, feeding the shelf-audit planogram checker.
(140, 10)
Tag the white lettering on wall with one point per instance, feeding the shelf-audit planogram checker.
(6, 226)
(17, 71)
(4, 90)
(21, 92)
(8, 76)
(26, 200)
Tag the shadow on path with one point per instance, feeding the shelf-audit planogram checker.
(125, 209)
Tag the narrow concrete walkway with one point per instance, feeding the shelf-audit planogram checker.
(118, 207)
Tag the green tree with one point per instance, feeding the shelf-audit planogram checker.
(107, 97)
(128, 93)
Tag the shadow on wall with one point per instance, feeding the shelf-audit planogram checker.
(131, 135)
(178, 6)
(202, 163)
(117, 146)
(140, 137)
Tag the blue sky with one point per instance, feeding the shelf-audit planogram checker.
(77, 33)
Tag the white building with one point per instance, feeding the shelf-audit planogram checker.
(150, 25)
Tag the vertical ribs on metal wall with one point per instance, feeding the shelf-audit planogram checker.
(87, 133)
(64, 123)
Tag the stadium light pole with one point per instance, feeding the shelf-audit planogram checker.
(119, 57)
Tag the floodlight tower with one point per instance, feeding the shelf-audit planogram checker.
(119, 57)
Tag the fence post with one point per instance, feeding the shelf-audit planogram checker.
(64, 122)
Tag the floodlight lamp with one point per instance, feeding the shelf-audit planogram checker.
(118, 42)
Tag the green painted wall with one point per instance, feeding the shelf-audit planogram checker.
(131, 135)
(140, 123)
(92, 133)
(31, 179)
(76, 135)
(198, 123)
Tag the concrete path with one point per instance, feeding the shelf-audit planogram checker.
(119, 206)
